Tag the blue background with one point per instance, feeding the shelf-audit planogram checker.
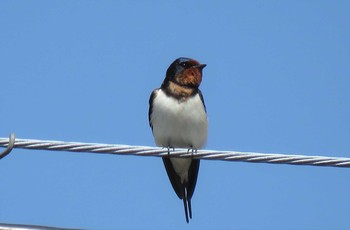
(277, 80)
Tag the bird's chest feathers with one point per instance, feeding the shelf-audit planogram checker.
(179, 112)
(179, 123)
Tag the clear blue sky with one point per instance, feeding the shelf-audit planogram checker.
(277, 80)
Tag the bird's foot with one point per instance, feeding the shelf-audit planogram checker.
(193, 151)
(169, 147)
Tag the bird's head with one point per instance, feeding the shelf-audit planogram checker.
(185, 72)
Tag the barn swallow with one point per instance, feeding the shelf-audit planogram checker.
(178, 118)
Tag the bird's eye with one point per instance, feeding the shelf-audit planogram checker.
(183, 64)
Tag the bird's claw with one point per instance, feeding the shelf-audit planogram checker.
(193, 151)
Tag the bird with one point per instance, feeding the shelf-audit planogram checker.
(178, 119)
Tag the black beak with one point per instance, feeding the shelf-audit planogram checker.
(201, 66)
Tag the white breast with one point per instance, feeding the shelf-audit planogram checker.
(179, 124)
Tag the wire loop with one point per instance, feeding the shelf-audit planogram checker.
(11, 144)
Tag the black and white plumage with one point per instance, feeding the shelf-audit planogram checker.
(177, 116)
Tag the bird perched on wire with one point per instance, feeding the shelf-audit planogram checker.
(178, 118)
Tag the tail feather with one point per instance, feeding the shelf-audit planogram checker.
(186, 210)
(184, 190)
(189, 208)
(187, 205)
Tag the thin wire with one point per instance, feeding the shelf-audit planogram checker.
(160, 152)
(4, 226)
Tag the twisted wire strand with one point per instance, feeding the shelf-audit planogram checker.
(160, 152)
(5, 226)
